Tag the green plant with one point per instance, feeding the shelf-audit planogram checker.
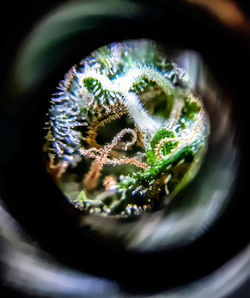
(159, 130)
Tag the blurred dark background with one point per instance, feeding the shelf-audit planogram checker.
(220, 30)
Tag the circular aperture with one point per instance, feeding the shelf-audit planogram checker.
(125, 130)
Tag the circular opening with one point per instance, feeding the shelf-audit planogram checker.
(125, 131)
(154, 80)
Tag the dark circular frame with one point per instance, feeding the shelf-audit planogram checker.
(39, 206)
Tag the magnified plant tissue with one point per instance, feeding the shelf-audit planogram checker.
(125, 132)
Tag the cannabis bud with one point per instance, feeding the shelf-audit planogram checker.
(125, 132)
